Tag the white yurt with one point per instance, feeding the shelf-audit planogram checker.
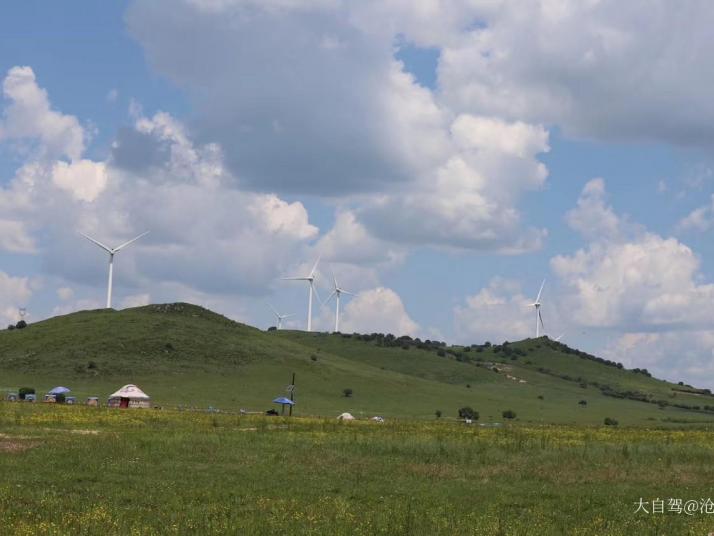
(346, 417)
(129, 396)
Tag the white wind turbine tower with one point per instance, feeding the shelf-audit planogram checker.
(336, 293)
(112, 252)
(311, 280)
(280, 317)
(539, 317)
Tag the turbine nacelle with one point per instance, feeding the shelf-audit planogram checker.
(310, 278)
(112, 252)
(537, 304)
(337, 292)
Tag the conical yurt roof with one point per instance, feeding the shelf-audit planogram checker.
(130, 391)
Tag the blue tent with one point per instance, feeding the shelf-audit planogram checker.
(59, 390)
(283, 400)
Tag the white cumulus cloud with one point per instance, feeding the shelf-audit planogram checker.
(377, 310)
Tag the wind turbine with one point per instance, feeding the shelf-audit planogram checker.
(539, 317)
(310, 279)
(336, 293)
(112, 252)
(280, 317)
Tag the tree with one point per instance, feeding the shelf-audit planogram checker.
(467, 412)
(509, 414)
(347, 392)
(11, 327)
(610, 422)
(21, 324)
(272, 328)
(438, 413)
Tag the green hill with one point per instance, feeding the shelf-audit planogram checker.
(182, 354)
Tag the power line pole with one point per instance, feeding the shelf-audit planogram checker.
(291, 389)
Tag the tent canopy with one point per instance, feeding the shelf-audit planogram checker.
(346, 417)
(283, 400)
(58, 390)
(130, 391)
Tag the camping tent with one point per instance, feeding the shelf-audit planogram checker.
(58, 390)
(129, 396)
(284, 402)
(346, 417)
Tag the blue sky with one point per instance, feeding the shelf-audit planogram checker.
(443, 160)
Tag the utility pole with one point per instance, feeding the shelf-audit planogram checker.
(291, 388)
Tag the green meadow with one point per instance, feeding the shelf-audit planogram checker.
(181, 469)
(77, 470)
(184, 355)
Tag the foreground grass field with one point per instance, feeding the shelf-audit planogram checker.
(77, 470)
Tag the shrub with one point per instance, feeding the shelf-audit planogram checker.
(540, 397)
(438, 413)
(313, 357)
(441, 353)
(347, 392)
(610, 422)
(272, 328)
(468, 413)
(11, 327)
(21, 324)
(25, 391)
(509, 414)
(59, 398)
(583, 402)
(92, 365)
(468, 386)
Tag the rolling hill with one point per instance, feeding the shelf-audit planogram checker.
(185, 355)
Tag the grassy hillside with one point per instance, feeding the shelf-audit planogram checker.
(182, 354)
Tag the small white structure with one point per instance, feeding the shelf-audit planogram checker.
(377, 418)
(346, 417)
(129, 396)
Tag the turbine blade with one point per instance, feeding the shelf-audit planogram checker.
(273, 309)
(97, 242)
(288, 315)
(540, 291)
(540, 317)
(334, 279)
(314, 266)
(125, 244)
(343, 291)
(329, 297)
(314, 289)
(295, 278)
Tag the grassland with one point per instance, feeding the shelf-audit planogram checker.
(184, 355)
(553, 470)
(77, 470)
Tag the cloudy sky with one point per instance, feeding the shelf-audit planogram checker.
(442, 156)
